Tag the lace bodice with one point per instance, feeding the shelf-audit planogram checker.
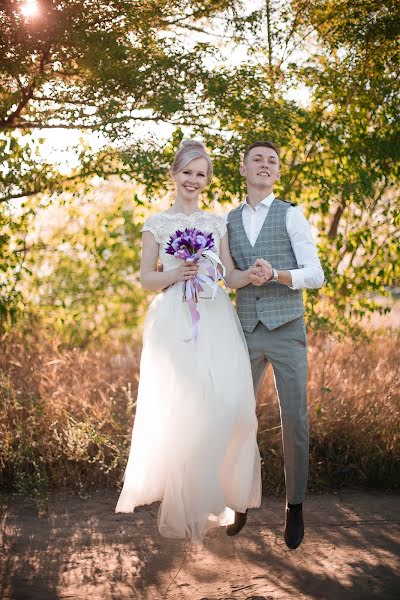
(163, 225)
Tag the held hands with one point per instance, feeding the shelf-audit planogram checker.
(260, 272)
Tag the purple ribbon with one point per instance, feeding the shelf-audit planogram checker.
(192, 289)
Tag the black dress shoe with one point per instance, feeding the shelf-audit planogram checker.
(238, 524)
(294, 526)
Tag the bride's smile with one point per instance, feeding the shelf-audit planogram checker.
(191, 182)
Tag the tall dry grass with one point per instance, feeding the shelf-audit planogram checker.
(354, 414)
(66, 415)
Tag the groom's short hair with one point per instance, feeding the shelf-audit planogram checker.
(261, 144)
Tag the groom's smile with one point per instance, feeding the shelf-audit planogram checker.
(261, 168)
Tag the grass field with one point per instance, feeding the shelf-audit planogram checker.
(66, 415)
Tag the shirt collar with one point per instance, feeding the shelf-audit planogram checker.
(266, 202)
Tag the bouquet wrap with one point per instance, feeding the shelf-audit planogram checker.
(193, 245)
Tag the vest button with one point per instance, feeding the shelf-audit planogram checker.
(257, 297)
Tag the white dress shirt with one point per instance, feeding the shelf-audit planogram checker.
(310, 273)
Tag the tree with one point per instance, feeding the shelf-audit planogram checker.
(354, 164)
(116, 65)
(84, 261)
(340, 150)
(104, 67)
(101, 66)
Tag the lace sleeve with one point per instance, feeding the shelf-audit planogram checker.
(222, 229)
(152, 224)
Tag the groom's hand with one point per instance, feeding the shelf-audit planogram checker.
(265, 267)
(256, 276)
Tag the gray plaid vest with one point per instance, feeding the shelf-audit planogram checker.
(273, 304)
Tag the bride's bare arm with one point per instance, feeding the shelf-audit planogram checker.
(234, 277)
(153, 280)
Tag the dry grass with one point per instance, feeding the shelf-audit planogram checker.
(66, 416)
(354, 401)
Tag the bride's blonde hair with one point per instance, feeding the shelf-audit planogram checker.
(188, 151)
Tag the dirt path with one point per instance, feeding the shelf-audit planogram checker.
(82, 550)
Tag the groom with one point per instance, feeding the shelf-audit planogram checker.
(271, 239)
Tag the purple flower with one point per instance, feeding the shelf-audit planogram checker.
(176, 244)
(201, 240)
(184, 244)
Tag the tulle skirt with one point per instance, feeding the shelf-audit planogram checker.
(194, 442)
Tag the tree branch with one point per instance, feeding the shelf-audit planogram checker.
(269, 35)
(25, 124)
(27, 93)
(332, 233)
(83, 175)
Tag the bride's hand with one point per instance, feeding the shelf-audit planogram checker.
(186, 271)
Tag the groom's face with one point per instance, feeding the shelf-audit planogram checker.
(261, 167)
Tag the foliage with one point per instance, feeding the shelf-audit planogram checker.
(84, 259)
(340, 152)
(112, 67)
(12, 264)
(354, 151)
(104, 66)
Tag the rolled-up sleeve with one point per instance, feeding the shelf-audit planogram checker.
(309, 274)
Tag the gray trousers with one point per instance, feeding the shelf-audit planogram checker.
(286, 349)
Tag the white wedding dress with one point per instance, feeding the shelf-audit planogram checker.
(194, 437)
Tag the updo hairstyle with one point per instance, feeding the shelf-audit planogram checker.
(188, 151)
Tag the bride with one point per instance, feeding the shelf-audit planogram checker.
(194, 437)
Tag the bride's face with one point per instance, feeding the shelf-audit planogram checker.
(192, 180)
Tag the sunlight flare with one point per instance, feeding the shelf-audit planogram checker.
(30, 8)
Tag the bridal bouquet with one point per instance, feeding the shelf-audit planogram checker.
(193, 245)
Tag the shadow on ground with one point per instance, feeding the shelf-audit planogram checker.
(80, 549)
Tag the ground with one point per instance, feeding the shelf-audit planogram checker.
(80, 549)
